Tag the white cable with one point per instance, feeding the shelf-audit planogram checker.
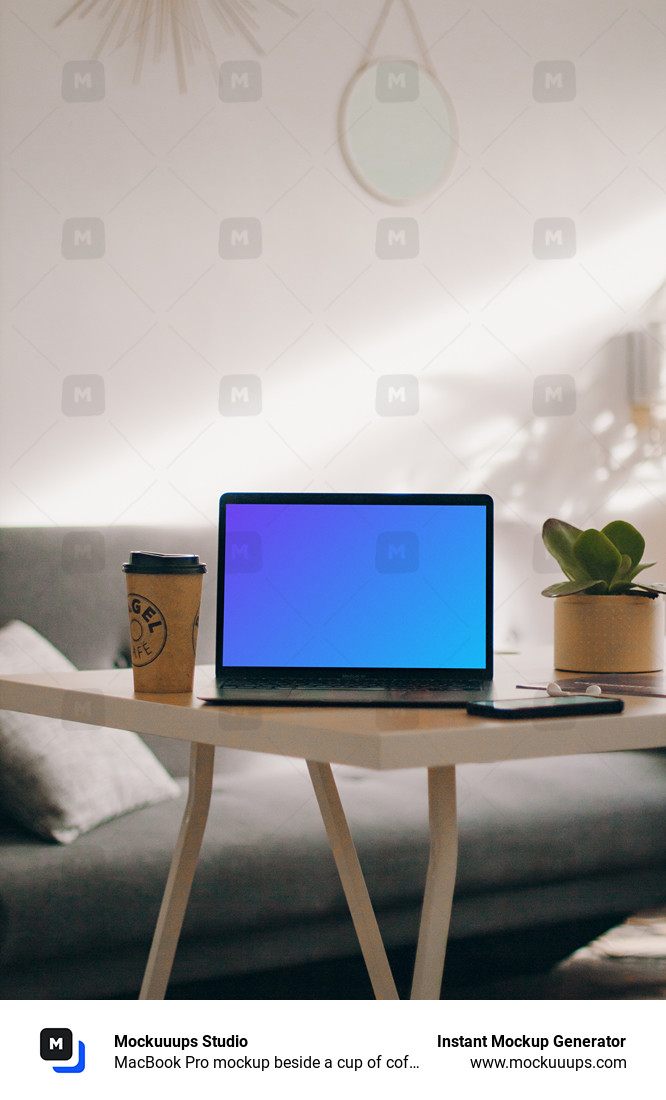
(555, 690)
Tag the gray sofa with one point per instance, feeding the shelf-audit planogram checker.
(551, 851)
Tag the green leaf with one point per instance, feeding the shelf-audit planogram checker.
(640, 568)
(618, 587)
(570, 588)
(626, 539)
(624, 568)
(597, 555)
(624, 580)
(602, 562)
(559, 538)
(657, 586)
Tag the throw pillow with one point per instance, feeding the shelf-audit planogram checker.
(58, 779)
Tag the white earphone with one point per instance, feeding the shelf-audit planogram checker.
(555, 690)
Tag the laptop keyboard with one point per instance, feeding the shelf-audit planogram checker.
(347, 683)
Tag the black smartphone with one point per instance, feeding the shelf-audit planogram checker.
(548, 707)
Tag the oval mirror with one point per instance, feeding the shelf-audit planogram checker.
(397, 130)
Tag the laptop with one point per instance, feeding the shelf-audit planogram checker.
(354, 599)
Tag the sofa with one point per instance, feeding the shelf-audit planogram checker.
(551, 851)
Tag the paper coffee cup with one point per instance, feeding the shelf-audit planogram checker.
(163, 598)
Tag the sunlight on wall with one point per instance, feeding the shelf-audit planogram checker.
(468, 406)
(320, 328)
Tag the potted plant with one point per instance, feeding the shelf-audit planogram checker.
(605, 620)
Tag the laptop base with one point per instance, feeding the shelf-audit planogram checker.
(350, 697)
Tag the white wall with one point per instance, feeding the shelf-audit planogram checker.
(476, 317)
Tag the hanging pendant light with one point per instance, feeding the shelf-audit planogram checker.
(178, 24)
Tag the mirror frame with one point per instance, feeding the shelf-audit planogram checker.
(343, 129)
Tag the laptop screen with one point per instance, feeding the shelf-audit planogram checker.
(355, 582)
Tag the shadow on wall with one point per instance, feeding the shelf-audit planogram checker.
(580, 458)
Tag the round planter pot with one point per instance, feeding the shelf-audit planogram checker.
(609, 633)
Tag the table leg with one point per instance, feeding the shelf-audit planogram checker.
(440, 881)
(181, 873)
(353, 882)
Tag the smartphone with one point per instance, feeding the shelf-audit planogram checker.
(548, 707)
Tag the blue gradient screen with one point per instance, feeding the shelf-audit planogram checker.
(355, 586)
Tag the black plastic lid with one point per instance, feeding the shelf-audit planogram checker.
(141, 561)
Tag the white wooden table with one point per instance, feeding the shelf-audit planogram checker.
(434, 739)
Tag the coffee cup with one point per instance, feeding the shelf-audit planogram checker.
(163, 597)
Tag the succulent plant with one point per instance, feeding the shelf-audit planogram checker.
(600, 563)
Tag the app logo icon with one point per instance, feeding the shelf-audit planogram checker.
(240, 239)
(83, 81)
(397, 239)
(83, 239)
(56, 1044)
(554, 239)
(243, 552)
(83, 395)
(80, 713)
(240, 82)
(554, 81)
(397, 82)
(554, 395)
(397, 395)
(240, 395)
(397, 552)
(83, 551)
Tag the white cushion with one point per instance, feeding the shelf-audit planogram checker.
(58, 779)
